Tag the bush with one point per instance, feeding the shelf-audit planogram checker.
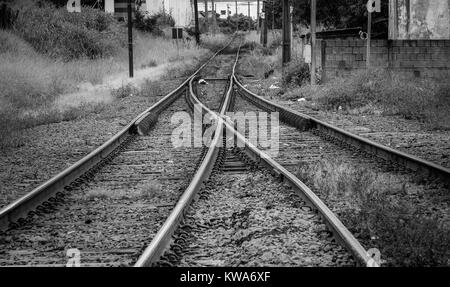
(258, 64)
(57, 33)
(34, 87)
(234, 22)
(296, 74)
(153, 23)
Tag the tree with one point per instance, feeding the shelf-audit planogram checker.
(274, 13)
(336, 14)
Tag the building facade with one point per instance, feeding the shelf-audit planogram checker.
(419, 19)
(181, 10)
(230, 8)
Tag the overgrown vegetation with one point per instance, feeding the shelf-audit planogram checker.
(51, 53)
(331, 14)
(380, 91)
(153, 23)
(58, 33)
(373, 206)
(148, 89)
(296, 74)
(214, 42)
(147, 191)
(236, 22)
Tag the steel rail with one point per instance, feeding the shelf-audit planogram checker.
(163, 238)
(340, 232)
(20, 208)
(305, 122)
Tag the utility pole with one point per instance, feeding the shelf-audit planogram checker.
(236, 7)
(264, 25)
(130, 40)
(369, 36)
(291, 8)
(206, 15)
(286, 32)
(197, 28)
(372, 6)
(313, 41)
(257, 18)
(273, 14)
(213, 8)
(249, 18)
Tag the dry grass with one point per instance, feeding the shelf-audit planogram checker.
(263, 62)
(273, 38)
(379, 91)
(125, 91)
(373, 206)
(214, 42)
(151, 89)
(31, 82)
(150, 189)
(147, 190)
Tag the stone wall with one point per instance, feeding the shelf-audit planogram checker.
(419, 58)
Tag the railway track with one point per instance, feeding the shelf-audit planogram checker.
(110, 215)
(230, 204)
(305, 140)
(246, 198)
(109, 204)
(230, 223)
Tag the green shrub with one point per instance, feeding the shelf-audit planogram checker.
(58, 33)
(39, 67)
(153, 23)
(240, 22)
(296, 74)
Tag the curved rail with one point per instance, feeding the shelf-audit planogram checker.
(305, 122)
(20, 208)
(163, 237)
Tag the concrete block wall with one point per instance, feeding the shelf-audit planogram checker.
(419, 58)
